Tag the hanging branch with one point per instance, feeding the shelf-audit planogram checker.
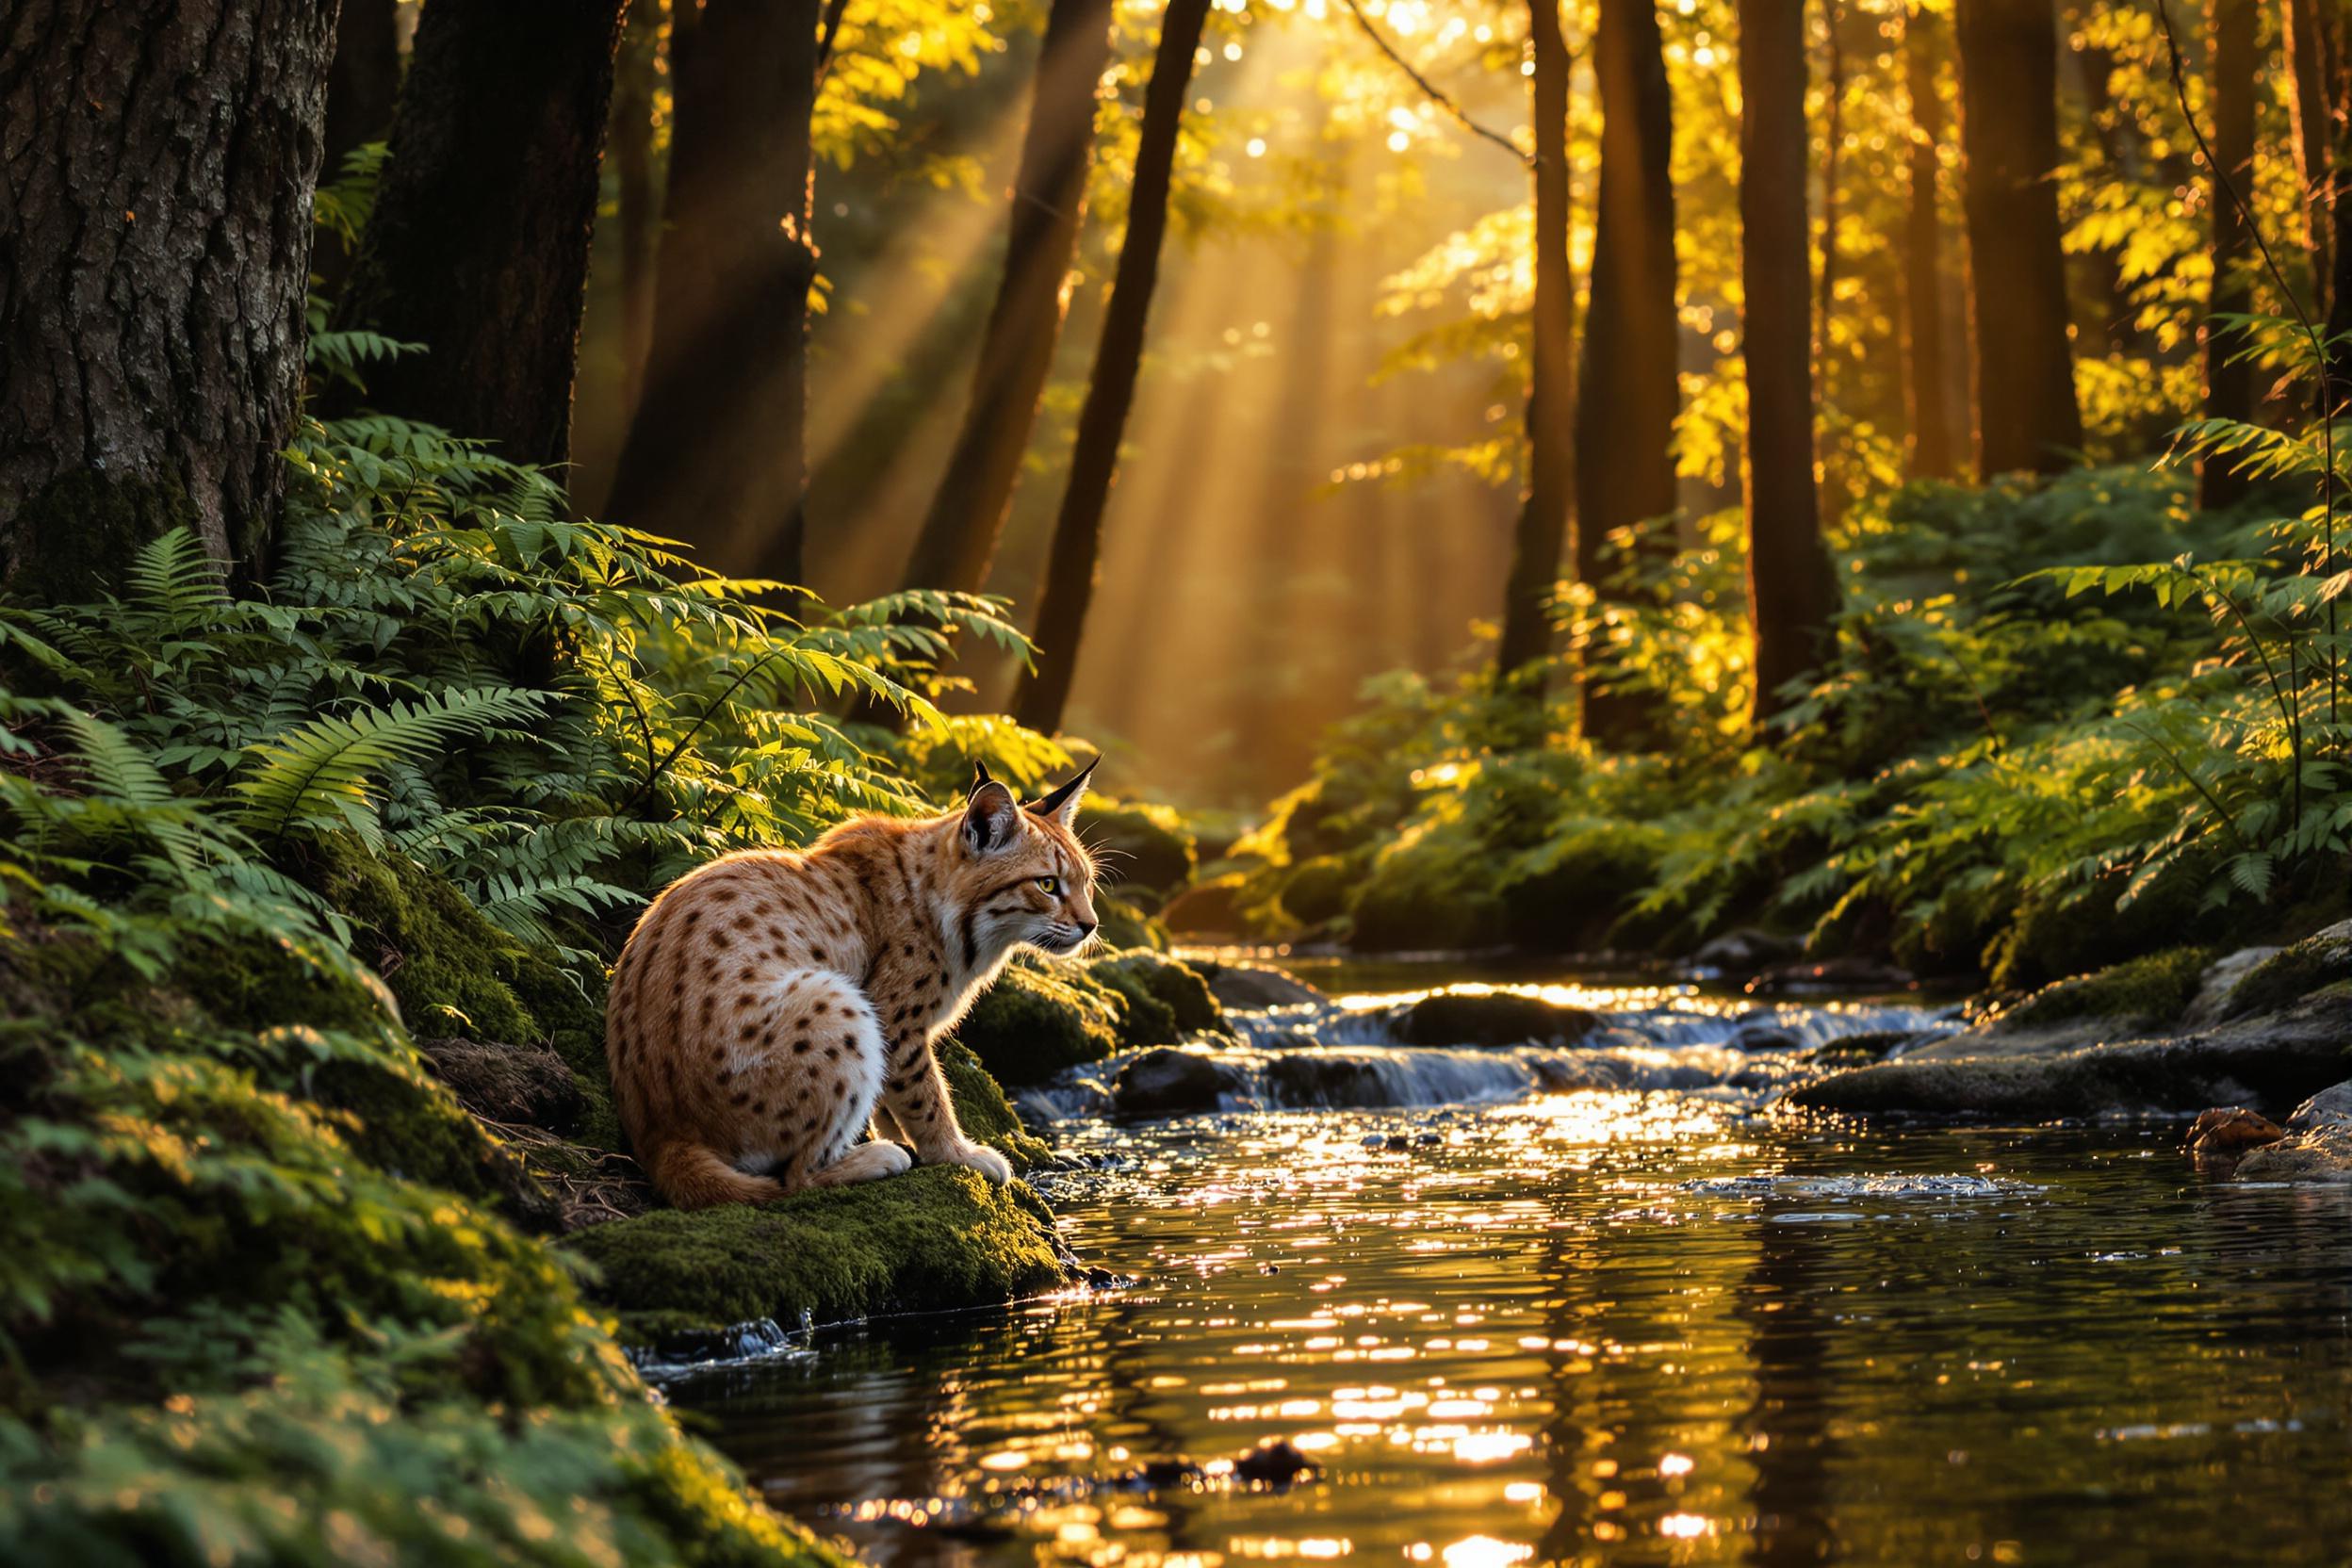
(2330, 406)
(829, 33)
(1430, 89)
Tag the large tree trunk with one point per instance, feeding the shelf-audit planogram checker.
(2229, 377)
(967, 513)
(1927, 374)
(2305, 88)
(2026, 417)
(1627, 392)
(1792, 593)
(1045, 690)
(1536, 545)
(718, 454)
(478, 247)
(365, 84)
(630, 139)
(160, 163)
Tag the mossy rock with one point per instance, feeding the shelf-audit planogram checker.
(2138, 993)
(455, 973)
(1040, 1018)
(982, 1110)
(1567, 895)
(1314, 891)
(1143, 845)
(1167, 998)
(1210, 908)
(1126, 924)
(1408, 904)
(2314, 964)
(2052, 939)
(935, 1238)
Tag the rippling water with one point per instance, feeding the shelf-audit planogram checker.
(1624, 1326)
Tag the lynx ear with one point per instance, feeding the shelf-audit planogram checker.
(1062, 804)
(991, 820)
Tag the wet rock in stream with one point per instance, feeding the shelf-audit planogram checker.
(1167, 1082)
(2316, 1145)
(1491, 1017)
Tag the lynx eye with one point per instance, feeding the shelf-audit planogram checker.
(1050, 884)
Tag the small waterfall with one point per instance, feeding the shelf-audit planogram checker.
(1347, 1054)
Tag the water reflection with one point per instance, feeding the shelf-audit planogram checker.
(1607, 1326)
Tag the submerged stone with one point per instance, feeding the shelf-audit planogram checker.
(1491, 1017)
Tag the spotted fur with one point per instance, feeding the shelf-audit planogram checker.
(772, 1009)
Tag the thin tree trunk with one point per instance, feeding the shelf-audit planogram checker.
(716, 454)
(1045, 690)
(1792, 593)
(478, 247)
(966, 514)
(2334, 44)
(1928, 375)
(365, 84)
(1538, 541)
(1627, 393)
(1825, 439)
(2026, 417)
(161, 160)
(631, 140)
(2304, 84)
(2229, 377)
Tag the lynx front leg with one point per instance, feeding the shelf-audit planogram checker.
(914, 1092)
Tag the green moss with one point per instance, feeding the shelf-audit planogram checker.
(1166, 998)
(1126, 925)
(72, 540)
(1420, 897)
(984, 1113)
(1143, 845)
(1040, 1018)
(1314, 891)
(938, 1237)
(2051, 938)
(2314, 964)
(2141, 991)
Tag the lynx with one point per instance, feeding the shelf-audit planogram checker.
(771, 1006)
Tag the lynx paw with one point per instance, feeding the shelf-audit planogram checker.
(986, 1161)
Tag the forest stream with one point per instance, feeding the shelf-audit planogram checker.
(1561, 1305)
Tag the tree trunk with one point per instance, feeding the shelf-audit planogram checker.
(718, 454)
(161, 160)
(1792, 593)
(365, 84)
(1045, 690)
(967, 513)
(1543, 529)
(1831, 491)
(1627, 392)
(478, 247)
(630, 139)
(2229, 377)
(2026, 417)
(2305, 87)
(1927, 376)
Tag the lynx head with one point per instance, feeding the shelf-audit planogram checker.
(1023, 878)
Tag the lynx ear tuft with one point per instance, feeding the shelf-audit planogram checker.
(980, 775)
(1062, 804)
(991, 818)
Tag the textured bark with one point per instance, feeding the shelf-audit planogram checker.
(155, 195)
(365, 84)
(478, 247)
(967, 513)
(1045, 690)
(1538, 541)
(2229, 377)
(1627, 392)
(2304, 86)
(2335, 34)
(1927, 373)
(630, 142)
(1792, 593)
(718, 454)
(2026, 417)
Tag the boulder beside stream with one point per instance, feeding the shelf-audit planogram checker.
(2318, 1145)
(1492, 1018)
